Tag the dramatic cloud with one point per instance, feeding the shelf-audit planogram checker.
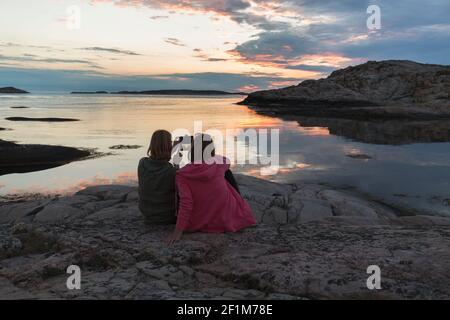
(291, 29)
(253, 13)
(336, 35)
(274, 49)
(290, 51)
(111, 50)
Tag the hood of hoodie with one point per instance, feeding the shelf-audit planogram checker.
(202, 172)
(149, 167)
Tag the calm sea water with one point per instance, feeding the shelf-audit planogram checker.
(415, 176)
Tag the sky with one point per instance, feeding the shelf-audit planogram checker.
(233, 45)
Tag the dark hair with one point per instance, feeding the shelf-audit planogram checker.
(199, 144)
(160, 145)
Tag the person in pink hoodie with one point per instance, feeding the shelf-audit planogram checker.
(207, 202)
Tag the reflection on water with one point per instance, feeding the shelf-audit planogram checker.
(64, 185)
(310, 149)
(384, 132)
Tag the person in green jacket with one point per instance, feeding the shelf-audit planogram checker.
(157, 181)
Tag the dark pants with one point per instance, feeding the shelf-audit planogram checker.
(230, 178)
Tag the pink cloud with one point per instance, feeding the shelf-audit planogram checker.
(249, 88)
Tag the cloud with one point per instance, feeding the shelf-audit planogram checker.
(175, 42)
(216, 59)
(249, 88)
(288, 30)
(418, 44)
(315, 68)
(159, 17)
(337, 36)
(306, 53)
(34, 58)
(275, 49)
(13, 44)
(111, 50)
(240, 11)
(199, 53)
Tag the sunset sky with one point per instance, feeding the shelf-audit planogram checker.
(216, 44)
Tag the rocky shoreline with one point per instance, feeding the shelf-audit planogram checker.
(384, 90)
(41, 119)
(311, 242)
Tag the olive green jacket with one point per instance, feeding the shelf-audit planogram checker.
(157, 191)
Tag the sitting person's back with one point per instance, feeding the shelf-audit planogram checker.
(157, 181)
(208, 203)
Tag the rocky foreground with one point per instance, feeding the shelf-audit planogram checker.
(311, 242)
(392, 89)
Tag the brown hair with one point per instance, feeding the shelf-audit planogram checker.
(160, 145)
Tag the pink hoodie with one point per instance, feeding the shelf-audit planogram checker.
(208, 203)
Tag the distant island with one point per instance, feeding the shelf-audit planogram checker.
(182, 92)
(12, 90)
(170, 92)
(87, 92)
